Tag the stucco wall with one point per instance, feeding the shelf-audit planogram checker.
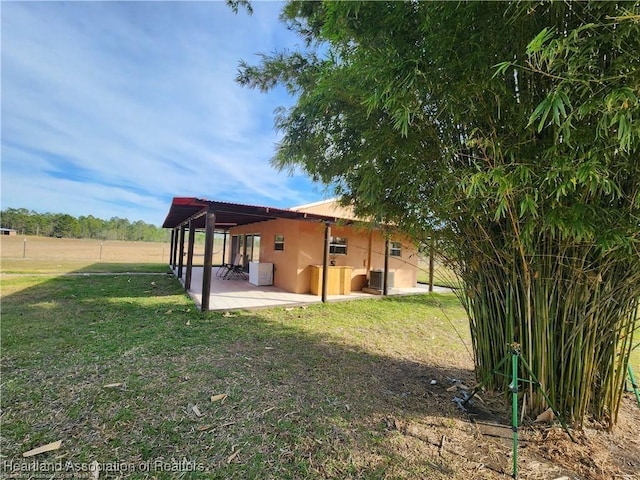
(304, 246)
(357, 253)
(311, 240)
(405, 267)
(284, 261)
(359, 240)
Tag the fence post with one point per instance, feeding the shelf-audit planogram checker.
(24, 249)
(100, 251)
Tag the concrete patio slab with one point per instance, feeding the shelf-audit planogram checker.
(239, 294)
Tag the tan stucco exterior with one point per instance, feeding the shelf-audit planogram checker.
(304, 246)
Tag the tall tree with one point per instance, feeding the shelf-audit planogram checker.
(65, 225)
(510, 126)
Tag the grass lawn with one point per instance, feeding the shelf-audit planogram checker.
(442, 275)
(55, 266)
(328, 391)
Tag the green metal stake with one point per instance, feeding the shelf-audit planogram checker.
(514, 409)
(514, 352)
(634, 385)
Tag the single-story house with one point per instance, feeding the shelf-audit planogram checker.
(8, 231)
(318, 248)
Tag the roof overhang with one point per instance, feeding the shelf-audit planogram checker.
(228, 215)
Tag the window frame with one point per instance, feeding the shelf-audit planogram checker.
(337, 245)
(395, 249)
(278, 241)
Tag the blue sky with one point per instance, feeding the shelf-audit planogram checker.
(113, 108)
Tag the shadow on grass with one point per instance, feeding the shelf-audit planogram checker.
(302, 400)
(125, 268)
(436, 300)
(50, 266)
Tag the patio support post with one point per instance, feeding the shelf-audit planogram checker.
(325, 261)
(369, 254)
(173, 234)
(224, 247)
(209, 230)
(175, 249)
(181, 253)
(190, 243)
(385, 290)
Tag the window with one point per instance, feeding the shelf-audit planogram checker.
(338, 246)
(278, 243)
(395, 249)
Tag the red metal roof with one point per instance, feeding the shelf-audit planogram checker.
(232, 214)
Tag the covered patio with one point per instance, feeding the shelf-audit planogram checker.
(239, 294)
(188, 215)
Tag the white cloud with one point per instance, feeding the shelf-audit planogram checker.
(111, 109)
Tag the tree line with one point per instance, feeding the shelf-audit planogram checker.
(62, 225)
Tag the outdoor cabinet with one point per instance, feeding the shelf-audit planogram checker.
(338, 280)
(260, 273)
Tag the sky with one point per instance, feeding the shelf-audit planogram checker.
(113, 108)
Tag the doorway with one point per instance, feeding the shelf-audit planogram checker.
(247, 245)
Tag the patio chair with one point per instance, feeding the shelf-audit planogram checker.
(225, 267)
(236, 270)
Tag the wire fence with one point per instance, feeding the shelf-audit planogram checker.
(46, 248)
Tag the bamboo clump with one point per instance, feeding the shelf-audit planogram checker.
(572, 309)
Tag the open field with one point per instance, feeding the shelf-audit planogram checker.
(34, 250)
(42, 248)
(335, 391)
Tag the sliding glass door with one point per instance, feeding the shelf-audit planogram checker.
(246, 245)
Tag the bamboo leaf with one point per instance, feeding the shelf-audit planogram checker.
(540, 40)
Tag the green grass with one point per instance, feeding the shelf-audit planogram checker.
(29, 266)
(308, 389)
(442, 275)
(327, 391)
